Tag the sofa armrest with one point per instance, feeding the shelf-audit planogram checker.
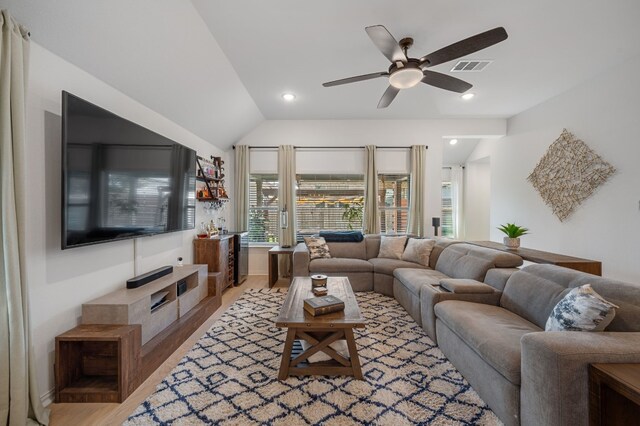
(498, 277)
(431, 295)
(465, 286)
(555, 379)
(301, 261)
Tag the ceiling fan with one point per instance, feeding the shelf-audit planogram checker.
(406, 72)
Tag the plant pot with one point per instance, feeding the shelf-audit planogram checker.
(511, 243)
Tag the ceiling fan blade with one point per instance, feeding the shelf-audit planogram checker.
(355, 79)
(385, 42)
(445, 82)
(388, 97)
(465, 47)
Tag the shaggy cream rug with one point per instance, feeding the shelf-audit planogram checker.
(230, 376)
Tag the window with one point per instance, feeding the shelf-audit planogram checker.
(263, 208)
(326, 202)
(447, 211)
(393, 203)
(332, 202)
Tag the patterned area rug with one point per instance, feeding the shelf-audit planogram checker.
(230, 376)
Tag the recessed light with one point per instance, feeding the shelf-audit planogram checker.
(453, 141)
(468, 96)
(288, 97)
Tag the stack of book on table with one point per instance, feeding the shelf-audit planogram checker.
(323, 305)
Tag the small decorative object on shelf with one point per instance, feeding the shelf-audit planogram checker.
(211, 174)
(513, 233)
(180, 262)
(202, 231)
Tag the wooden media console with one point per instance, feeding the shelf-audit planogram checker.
(123, 339)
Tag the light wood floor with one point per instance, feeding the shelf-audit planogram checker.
(114, 414)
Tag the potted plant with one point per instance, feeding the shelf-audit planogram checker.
(353, 213)
(513, 233)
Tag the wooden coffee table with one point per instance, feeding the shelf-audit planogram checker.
(319, 331)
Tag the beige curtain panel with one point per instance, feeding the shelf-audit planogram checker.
(19, 398)
(371, 220)
(287, 192)
(241, 181)
(286, 202)
(416, 190)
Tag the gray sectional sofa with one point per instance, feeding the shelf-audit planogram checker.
(525, 374)
(488, 318)
(461, 261)
(360, 263)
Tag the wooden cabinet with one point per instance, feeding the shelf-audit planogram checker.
(125, 336)
(136, 305)
(218, 254)
(97, 363)
(614, 394)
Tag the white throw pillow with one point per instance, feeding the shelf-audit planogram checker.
(582, 309)
(418, 250)
(318, 248)
(392, 247)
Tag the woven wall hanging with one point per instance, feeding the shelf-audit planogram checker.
(568, 173)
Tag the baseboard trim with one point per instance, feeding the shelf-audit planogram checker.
(48, 398)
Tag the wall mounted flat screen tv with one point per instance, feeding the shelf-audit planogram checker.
(120, 180)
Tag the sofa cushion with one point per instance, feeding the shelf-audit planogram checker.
(534, 291)
(418, 250)
(469, 261)
(372, 244)
(348, 250)
(492, 332)
(392, 247)
(340, 265)
(387, 266)
(317, 247)
(413, 279)
(441, 244)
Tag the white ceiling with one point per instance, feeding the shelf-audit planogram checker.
(160, 53)
(292, 45)
(453, 155)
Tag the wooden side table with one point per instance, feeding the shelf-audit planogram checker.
(614, 394)
(273, 262)
(97, 363)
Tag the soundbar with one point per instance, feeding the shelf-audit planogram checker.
(143, 279)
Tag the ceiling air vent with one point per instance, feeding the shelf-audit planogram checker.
(471, 65)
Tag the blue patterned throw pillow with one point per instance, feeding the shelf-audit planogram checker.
(582, 309)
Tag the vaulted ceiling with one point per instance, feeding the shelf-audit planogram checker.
(218, 68)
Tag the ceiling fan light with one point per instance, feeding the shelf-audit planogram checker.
(468, 96)
(405, 78)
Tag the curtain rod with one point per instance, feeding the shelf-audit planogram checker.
(330, 147)
(449, 167)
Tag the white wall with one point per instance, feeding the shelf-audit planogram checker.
(477, 199)
(347, 133)
(604, 113)
(60, 281)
